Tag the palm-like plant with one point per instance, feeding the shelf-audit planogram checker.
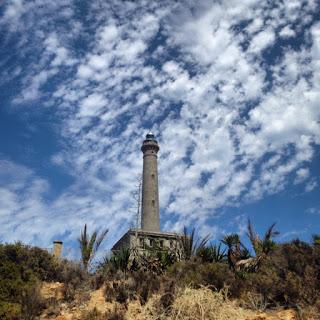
(232, 241)
(262, 246)
(211, 253)
(89, 245)
(316, 239)
(190, 245)
(120, 260)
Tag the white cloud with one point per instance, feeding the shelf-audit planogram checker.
(13, 12)
(231, 127)
(311, 185)
(301, 175)
(262, 40)
(255, 25)
(108, 35)
(85, 72)
(286, 32)
(92, 105)
(98, 62)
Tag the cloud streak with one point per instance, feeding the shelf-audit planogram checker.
(235, 115)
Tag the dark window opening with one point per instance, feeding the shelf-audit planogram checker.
(153, 203)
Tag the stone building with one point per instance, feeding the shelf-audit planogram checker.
(149, 235)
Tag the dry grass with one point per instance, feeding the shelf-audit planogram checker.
(196, 304)
(186, 304)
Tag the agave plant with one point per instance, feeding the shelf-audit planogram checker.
(89, 245)
(190, 245)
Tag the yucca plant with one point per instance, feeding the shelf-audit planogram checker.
(316, 239)
(232, 241)
(89, 245)
(190, 245)
(120, 260)
(211, 253)
(262, 246)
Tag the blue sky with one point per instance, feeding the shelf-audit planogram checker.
(230, 88)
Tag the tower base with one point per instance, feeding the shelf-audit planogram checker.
(144, 241)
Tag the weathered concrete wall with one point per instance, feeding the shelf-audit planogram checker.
(143, 240)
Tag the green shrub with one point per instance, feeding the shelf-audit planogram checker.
(211, 253)
(9, 310)
(31, 302)
(288, 277)
(195, 273)
(73, 276)
(21, 267)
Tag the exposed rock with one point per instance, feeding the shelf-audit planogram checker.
(52, 290)
(279, 315)
(98, 301)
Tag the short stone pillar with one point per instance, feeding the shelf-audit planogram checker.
(57, 249)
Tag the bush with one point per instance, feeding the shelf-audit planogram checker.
(31, 302)
(136, 285)
(164, 304)
(289, 277)
(21, 267)
(196, 274)
(9, 310)
(73, 276)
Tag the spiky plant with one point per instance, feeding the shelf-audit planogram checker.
(231, 240)
(120, 260)
(190, 245)
(211, 253)
(316, 239)
(265, 245)
(236, 250)
(89, 245)
(167, 258)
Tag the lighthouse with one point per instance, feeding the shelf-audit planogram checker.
(148, 235)
(150, 218)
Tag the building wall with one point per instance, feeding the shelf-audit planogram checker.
(142, 241)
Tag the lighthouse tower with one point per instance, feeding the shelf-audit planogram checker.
(150, 219)
(148, 236)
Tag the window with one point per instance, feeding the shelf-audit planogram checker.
(153, 203)
(151, 241)
(161, 244)
(141, 242)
